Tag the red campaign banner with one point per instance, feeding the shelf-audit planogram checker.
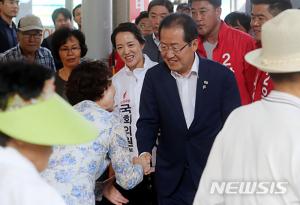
(136, 6)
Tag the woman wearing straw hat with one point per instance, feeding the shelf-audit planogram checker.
(31, 117)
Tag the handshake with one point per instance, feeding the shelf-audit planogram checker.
(145, 161)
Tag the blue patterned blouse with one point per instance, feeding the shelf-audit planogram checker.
(73, 170)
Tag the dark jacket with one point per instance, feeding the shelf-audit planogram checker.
(8, 36)
(180, 147)
(151, 49)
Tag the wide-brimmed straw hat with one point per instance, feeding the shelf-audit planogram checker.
(280, 52)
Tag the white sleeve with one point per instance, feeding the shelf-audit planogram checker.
(34, 192)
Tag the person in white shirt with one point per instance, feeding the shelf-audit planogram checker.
(257, 160)
(31, 121)
(129, 42)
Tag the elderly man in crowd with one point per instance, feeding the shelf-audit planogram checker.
(30, 32)
(188, 98)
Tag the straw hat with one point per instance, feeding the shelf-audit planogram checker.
(280, 52)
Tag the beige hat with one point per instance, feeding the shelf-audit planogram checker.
(280, 52)
(30, 22)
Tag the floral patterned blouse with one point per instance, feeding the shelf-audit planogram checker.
(73, 169)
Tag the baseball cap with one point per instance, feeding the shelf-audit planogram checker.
(30, 22)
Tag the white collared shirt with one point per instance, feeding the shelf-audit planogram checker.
(187, 86)
(128, 85)
(156, 40)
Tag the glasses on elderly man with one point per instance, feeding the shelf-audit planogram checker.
(29, 35)
(163, 48)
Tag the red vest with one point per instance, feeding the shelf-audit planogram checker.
(262, 84)
(230, 51)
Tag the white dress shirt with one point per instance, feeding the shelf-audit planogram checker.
(187, 86)
(21, 183)
(156, 40)
(259, 143)
(128, 85)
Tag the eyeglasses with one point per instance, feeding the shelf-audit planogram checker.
(67, 50)
(175, 49)
(36, 36)
(143, 26)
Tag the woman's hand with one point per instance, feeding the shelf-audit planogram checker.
(145, 161)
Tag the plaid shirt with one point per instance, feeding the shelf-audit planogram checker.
(43, 57)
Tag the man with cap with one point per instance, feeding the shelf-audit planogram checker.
(30, 33)
(253, 162)
(32, 119)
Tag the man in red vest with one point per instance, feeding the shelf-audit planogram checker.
(262, 11)
(224, 44)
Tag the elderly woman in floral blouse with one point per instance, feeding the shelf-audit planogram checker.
(73, 170)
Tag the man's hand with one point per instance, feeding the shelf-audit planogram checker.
(113, 195)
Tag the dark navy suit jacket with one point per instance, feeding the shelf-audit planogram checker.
(180, 147)
(151, 49)
(8, 36)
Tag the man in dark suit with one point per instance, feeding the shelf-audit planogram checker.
(158, 10)
(8, 31)
(188, 98)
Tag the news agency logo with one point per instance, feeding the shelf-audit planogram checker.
(249, 187)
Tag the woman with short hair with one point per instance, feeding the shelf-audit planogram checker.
(69, 46)
(73, 170)
(129, 43)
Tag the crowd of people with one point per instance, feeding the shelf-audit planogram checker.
(187, 106)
